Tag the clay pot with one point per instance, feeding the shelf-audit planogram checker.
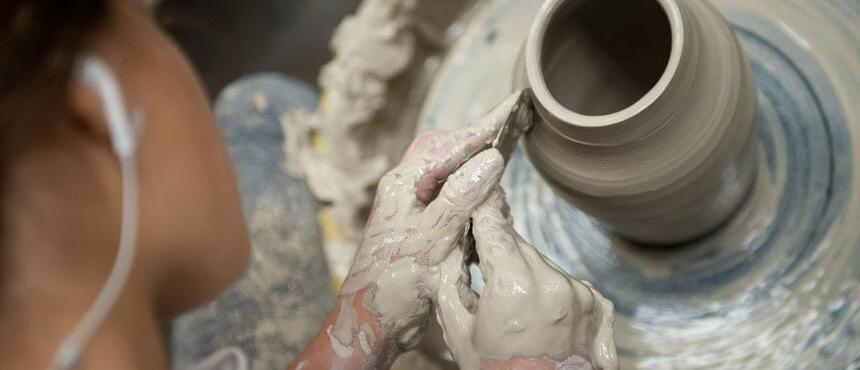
(645, 113)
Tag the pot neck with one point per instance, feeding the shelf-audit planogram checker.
(647, 116)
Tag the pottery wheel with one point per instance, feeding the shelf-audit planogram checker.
(777, 285)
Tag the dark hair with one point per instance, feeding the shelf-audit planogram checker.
(39, 43)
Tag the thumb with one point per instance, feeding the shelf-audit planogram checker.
(454, 316)
(496, 242)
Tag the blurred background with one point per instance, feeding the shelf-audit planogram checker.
(227, 39)
(275, 311)
(274, 49)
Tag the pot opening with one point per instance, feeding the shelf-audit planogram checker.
(601, 56)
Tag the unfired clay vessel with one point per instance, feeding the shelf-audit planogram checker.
(775, 287)
(646, 111)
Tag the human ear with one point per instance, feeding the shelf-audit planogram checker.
(87, 111)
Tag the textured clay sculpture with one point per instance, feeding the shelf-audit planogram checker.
(384, 57)
(646, 111)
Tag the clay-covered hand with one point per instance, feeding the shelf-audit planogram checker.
(418, 218)
(531, 314)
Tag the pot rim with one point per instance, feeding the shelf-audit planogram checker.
(535, 73)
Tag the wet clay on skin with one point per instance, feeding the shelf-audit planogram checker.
(776, 287)
(411, 255)
(529, 309)
(412, 230)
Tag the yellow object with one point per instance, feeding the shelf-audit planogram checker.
(317, 142)
(331, 233)
(336, 283)
(329, 228)
(323, 102)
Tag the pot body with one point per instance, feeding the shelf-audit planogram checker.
(646, 113)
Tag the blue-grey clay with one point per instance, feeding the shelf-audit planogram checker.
(279, 305)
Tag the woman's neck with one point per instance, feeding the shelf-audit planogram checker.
(60, 233)
(48, 282)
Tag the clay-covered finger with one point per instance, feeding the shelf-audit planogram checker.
(447, 153)
(496, 241)
(446, 217)
(421, 143)
(453, 314)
